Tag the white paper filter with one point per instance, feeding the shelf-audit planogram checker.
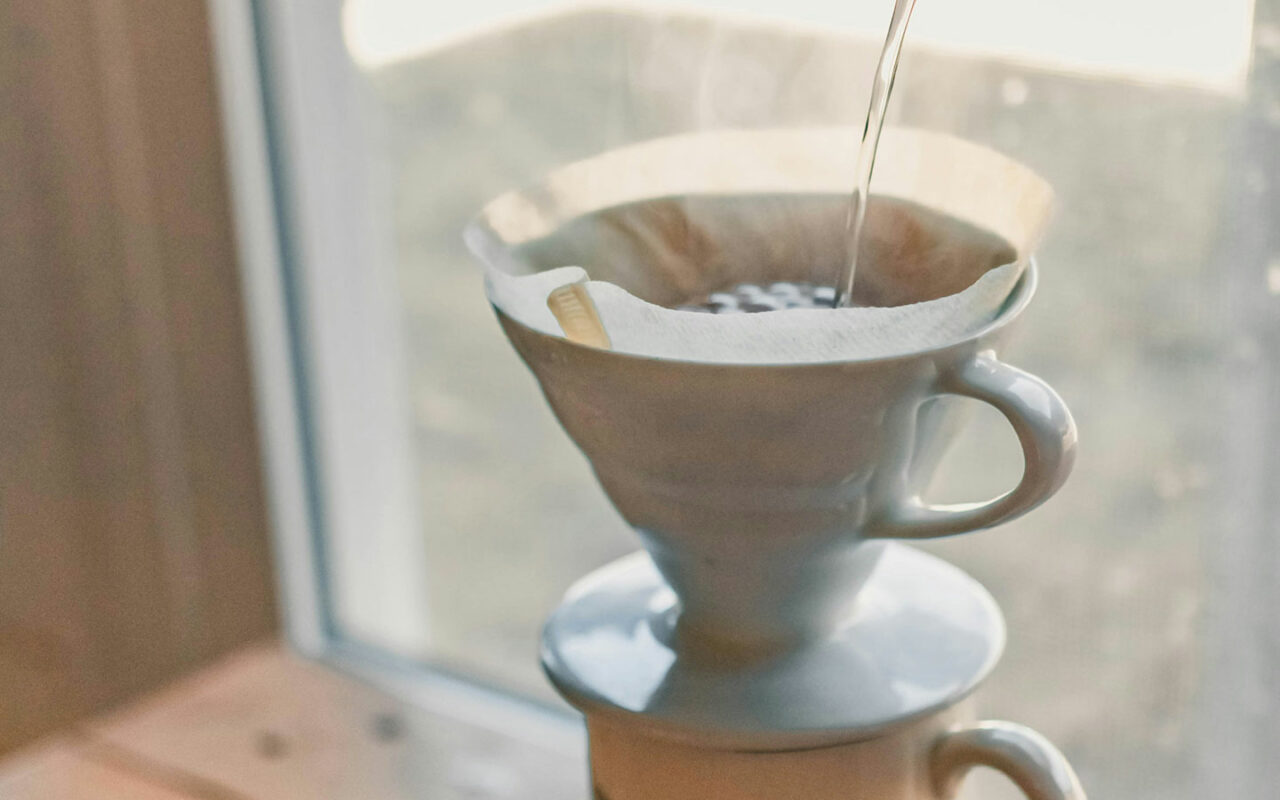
(674, 219)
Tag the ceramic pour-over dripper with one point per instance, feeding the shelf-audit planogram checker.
(772, 621)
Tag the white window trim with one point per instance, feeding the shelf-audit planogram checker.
(326, 353)
(339, 291)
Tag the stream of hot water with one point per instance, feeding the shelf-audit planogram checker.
(881, 88)
(750, 297)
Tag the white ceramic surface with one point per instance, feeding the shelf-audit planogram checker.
(919, 637)
(751, 486)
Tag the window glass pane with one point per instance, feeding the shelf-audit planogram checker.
(1154, 320)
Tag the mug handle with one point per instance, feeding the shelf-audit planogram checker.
(1028, 759)
(1044, 427)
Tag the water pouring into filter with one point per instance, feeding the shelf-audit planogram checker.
(749, 297)
(881, 89)
(758, 220)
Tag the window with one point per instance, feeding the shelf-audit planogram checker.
(431, 510)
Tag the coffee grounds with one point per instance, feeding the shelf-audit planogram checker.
(749, 298)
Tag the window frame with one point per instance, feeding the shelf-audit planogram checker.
(329, 396)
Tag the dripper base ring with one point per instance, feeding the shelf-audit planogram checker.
(924, 636)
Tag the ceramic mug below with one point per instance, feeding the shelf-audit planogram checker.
(922, 760)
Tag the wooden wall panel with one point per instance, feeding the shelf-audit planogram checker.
(133, 539)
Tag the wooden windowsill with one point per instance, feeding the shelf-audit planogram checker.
(265, 724)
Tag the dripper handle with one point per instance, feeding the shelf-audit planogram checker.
(1028, 759)
(1044, 427)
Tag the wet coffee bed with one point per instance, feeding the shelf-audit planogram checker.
(750, 298)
